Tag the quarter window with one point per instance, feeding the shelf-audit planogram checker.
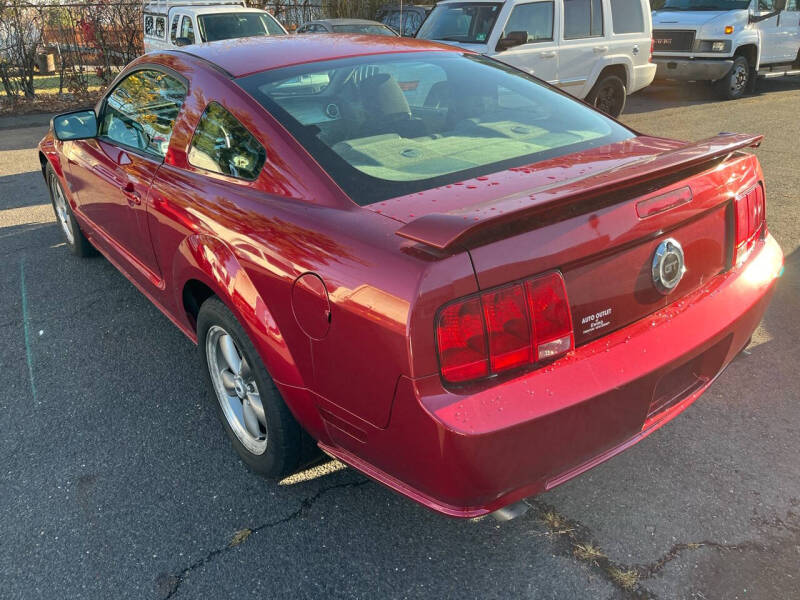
(535, 19)
(627, 16)
(583, 19)
(141, 111)
(221, 144)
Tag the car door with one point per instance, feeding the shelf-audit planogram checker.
(581, 45)
(115, 170)
(790, 26)
(539, 56)
(769, 32)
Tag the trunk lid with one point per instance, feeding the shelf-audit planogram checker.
(598, 217)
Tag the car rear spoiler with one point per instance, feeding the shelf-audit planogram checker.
(445, 230)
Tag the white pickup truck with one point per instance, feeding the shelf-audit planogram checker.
(728, 42)
(169, 24)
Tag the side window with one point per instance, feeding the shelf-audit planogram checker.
(627, 16)
(173, 30)
(411, 22)
(140, 113)
(535, 19)
(221, 144)
(766, 5)
(187, 29)
(793, 5)
(583, 19)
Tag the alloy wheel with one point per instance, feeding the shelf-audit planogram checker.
(236, 388)
(606, 99)
(62, 212)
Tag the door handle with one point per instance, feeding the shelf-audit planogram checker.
(548, 54)
(133, 197)
(600, 49)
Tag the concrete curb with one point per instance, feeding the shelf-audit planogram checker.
(22, 121)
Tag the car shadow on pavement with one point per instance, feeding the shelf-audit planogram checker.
(674, 94)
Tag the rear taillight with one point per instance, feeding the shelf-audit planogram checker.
(652, 47)
(750, 211)
(504, 328)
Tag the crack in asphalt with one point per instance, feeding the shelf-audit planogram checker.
(649, 570)
(172, 582)
(575, 540)
(568, 536)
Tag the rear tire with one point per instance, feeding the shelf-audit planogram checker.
(260, 426)
(608, 95)
(736, 82)
(77, 243)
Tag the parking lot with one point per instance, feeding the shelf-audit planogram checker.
(117, 481)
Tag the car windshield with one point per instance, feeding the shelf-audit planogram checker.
(364, 28)
(227, 26)
(388, 125)
(706, 5)
(465, 22)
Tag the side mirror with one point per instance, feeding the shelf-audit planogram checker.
(514, 38)
(780, 5)
(183, 41)
(77, 125)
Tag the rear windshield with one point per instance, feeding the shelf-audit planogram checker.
(465, 22)
(389, 125)
(227, 26)
(363, 28)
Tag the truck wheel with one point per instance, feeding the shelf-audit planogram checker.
(73, 236)
(734, 85)
(260, 426)
(608, 95)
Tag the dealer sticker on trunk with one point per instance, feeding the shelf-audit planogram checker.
(598, 320)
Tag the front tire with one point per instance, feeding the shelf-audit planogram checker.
(260, 426)
(77, 243)
(608, 95)
(736, 82)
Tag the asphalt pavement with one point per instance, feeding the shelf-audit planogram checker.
(117, 481)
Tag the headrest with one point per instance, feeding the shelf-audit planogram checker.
(382, 94)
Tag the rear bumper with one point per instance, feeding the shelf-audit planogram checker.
(643, 76)
(468, 454)
(688, 69)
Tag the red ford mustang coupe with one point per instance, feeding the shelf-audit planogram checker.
(442, 271)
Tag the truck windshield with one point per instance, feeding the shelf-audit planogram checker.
(226, 26)
(465, 22)
(385, 126)
(721, 5)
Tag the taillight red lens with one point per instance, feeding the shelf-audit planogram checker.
(749, 209)
(509, 331)
(524, 323)
(461, 337)
(552, 322)
(652, 47)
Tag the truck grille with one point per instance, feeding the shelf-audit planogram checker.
(672, 40)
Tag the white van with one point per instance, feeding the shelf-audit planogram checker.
(728, 42)
(597, 50)
(169, 24)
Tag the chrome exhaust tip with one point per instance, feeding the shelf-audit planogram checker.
(512, 511)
